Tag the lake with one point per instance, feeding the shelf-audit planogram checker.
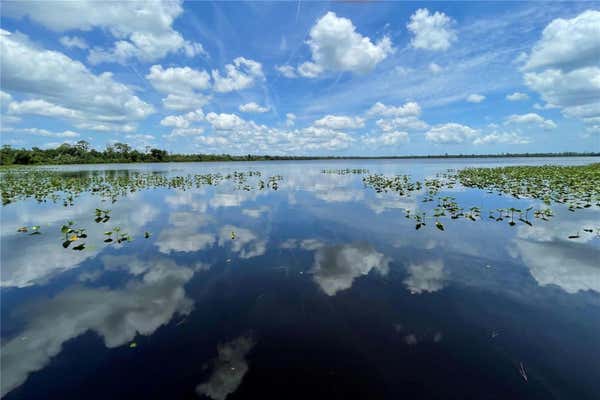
(312, 286)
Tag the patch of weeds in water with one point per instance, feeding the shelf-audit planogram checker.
(577, 187)
(346, 171)
(46, 184)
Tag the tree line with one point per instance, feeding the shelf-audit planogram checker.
(82, 153)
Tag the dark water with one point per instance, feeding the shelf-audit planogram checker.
(326, 291)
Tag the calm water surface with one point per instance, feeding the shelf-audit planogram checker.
(326, 291)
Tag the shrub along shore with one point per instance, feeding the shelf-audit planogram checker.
(82, 153)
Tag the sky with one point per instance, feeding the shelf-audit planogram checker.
(302, 78)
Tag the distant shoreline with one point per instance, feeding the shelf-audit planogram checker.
(121, 153)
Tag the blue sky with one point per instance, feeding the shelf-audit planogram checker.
(309, 78)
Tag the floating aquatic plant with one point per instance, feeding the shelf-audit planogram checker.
(73, 234)
(45, 184)
(578, 187)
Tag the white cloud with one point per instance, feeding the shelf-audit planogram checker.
(407, 110)
(224, 122)
(431, 31)
(184, 132)
(290, 119)
(475, 98)
(563, 66)
(252, 107)
(575, 92)
(387, 139)
(310, 69)
(242, 74)
(336, 46)
(450, 133)
(5, 98)
(143, 29)
(568, 44)
(235, 135)
(42, 107)
(65, 87)
(336, 267)
(183, 121)
(339, 122)
(397, 118)
(405, 123)
(517, 96)
(530, 119)
(503, 138)
(181, 85)
(73, 41)
(286, 70)
(178, 80)
(46, 133)
(435, 68)
(229, 369)
(184, 102)
(426, 277)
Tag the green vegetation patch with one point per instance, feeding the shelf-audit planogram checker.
(577, 187)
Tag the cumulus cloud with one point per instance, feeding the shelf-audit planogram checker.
(517, 96)
(235, 135)
(410, 109)
(431, 31)
(530, 119)
(426, 277)
(47, 133)
(336, 46)
(401, 123)
(143, 29)
(182, 102)
(181, 85)
(340, 122)
(286, 70)
(62, 87)
(475, 98)
(252, 107)
(386, 139)
(503, 138)
(563, 66)
(242, 74)
(290, 119)
(184, 120)
(229, 368)
(116, 315)
(178, 80)
(73, 41)
(336, 267)
(568, 44)
(224, 122)
(450, 133)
